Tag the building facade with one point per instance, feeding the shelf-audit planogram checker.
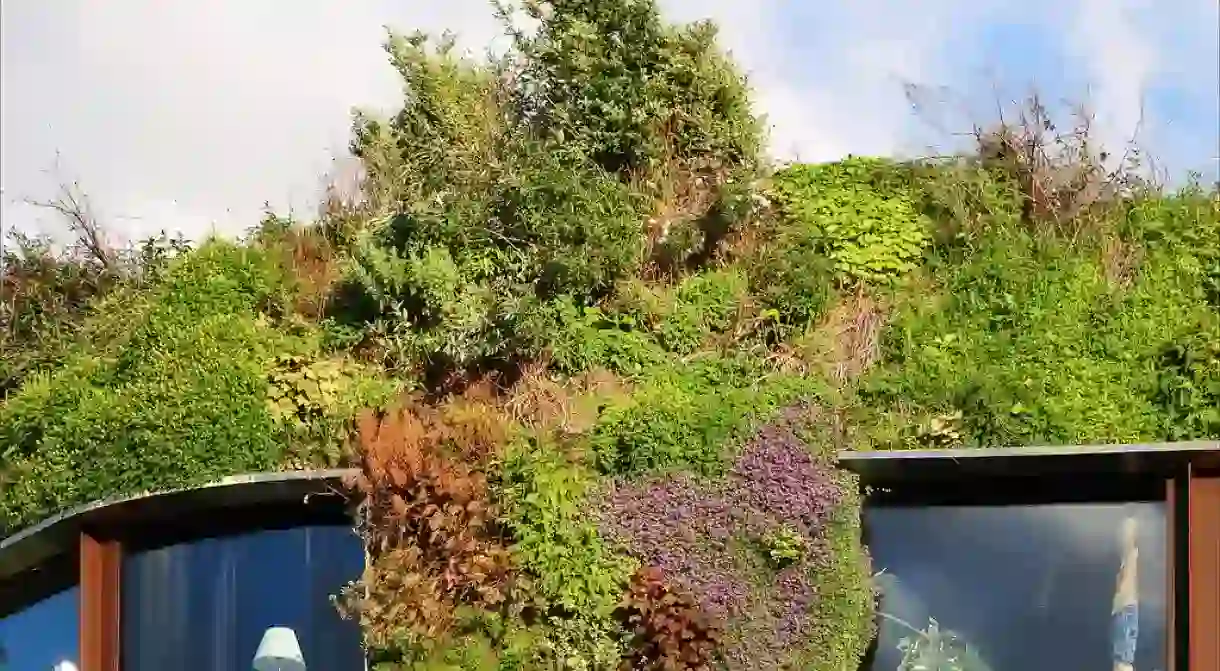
(1063, 559)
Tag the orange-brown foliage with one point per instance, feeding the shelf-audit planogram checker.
(570, 407)
(473, 424)
(429, 526)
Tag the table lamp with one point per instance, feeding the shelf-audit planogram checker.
(279, 651)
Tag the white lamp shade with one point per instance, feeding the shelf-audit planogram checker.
(279, 651)
(65, 666)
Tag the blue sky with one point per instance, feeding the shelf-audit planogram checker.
(190, 116)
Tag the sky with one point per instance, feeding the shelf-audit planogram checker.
(191, 116)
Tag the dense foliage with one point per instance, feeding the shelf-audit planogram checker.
(604, 351)
(749, 547)
(669, 629)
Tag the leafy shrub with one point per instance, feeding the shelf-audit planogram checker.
(314, 398)
(173, 393)
(707, 537)
(611, 81)
(688, 415)
(432, 533)
(577, 578)
(1188, 224)
(962, 198)
(576, 340)
(684, 316)
(47, 295)
(505, 185)
(868, 234)
(468, 255)
(994, 335)
(670, 631)
(545, 495)
(1188, 387)
(583, 224)
(794, 282)
(444, 136)
(705, 304)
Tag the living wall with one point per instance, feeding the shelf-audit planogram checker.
(593, 352)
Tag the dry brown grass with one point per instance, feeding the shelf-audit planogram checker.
(684, 193)
(1067, 180)
(569, 407)
(310, 259)
(1121, 259)
(847, 340)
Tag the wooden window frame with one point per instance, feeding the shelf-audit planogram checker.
(1203, 567)
(101, 572)
(1186, 480)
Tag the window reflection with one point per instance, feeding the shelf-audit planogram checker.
(1020, 587)
(205, 605)
(42, 635)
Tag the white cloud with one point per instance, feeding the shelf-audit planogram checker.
(187, 115)
(1121, 61)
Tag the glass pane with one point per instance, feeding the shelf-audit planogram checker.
(1012, 588)
(41, 636)
(205, 605)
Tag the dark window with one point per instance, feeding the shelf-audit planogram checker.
(1011, 588)
(42, 635)
(204, 605)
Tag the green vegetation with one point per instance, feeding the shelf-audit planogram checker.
(572, 274)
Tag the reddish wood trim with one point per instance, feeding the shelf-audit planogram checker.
(1171, 536)
(100, 573)
(1204, 515)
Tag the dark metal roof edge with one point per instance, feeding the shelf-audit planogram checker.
(1152, 458)
(31, 546)
(850, 456)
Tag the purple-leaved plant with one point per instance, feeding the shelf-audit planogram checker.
(702, 534)
(685, 531)
(776, 474)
